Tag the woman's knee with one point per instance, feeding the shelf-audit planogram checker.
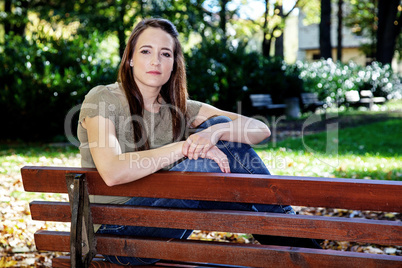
(219, 119)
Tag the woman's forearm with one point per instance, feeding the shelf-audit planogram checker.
(128, 167)
(243, 129)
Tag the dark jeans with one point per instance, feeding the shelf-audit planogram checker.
(242, 159)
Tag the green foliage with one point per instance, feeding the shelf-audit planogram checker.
(332, 79)
(222, 75)
(362, 18)
(217, 74)
(119, 17)
(43, 79)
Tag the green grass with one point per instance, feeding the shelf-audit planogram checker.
(372, 151)
(377, 139)
(14, 156)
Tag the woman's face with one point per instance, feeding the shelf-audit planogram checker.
(153, 59)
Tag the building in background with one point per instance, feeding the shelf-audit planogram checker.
(309, 48)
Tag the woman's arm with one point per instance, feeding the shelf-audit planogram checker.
(116, 167)
(241, 129)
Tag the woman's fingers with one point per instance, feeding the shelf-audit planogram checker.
(186, 146)
(195, 149)
(198, 144)
(204, 151)
(189, 148)
(220, 158)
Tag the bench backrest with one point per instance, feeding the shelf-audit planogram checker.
(366, 94)
(352, 96)
(303, 191)
(309, 98)
(260, 100)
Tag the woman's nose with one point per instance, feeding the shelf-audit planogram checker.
(155, 60)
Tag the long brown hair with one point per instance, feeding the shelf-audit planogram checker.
(174, 92)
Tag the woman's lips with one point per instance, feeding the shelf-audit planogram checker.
(153, 72)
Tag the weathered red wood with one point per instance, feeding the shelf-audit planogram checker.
(304, 191)
(319, 227)
(221, 253)
(65, 262)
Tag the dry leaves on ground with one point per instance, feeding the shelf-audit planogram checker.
(17, 247)
(353, 246)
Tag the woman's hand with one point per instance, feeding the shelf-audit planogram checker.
(202, 144)
(219, 157)
(198, 144)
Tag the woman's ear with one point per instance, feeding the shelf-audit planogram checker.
(131, 63)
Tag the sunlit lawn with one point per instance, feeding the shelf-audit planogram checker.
(372, 151)
(367, 151)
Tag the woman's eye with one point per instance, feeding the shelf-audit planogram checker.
(166, 54)
(144, 51)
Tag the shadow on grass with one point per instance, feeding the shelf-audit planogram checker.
(36, 149)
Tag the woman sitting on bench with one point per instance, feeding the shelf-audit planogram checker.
(145, 122)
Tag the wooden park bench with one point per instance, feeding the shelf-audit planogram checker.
(353, 194)
(310, 102)
(365, 98)
(262, 103)
(368, 95)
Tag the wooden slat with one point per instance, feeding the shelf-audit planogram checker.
(303, 191)
(225, 253)
(318, 227)
(64, 262)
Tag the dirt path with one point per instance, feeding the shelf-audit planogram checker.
(319, 123)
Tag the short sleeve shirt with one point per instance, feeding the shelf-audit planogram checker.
(110, 102)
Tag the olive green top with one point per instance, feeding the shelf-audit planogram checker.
(110, 102)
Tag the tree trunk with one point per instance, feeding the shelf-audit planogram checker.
(266, 47)
(19, 28)
(266, 43)
(142, 11)
(222, 22)
(120, 29)
(279, 50)
(340, 37)
(19, 22)
(389, 27)
(325, 29)
(7, 10)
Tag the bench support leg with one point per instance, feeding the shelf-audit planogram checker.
(82, 237)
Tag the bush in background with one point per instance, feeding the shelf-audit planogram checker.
(332, 79)
(42, 79)
(223, 75)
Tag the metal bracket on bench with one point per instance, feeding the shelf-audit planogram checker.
(82, 237)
